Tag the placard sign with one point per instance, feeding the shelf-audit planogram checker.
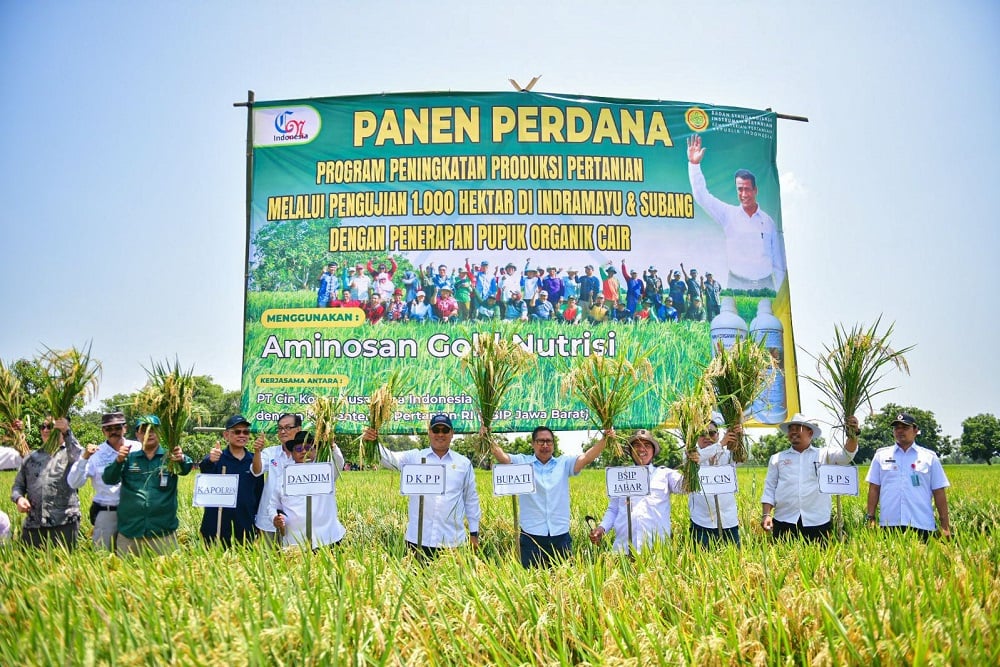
(308, 479)
(627, 481)
(513, 479)
(421, 479)
(716, 480)
(838, 480)
(215, 490)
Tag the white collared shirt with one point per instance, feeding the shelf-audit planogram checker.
(93, 469)
(792, 484)
(444, 515)
(274, 460)
(907, 480)
(701, 505)
(326, 526)
(650, 514)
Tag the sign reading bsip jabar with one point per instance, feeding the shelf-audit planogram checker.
(716, 480)
(422, 479)
(627, 481)
(513, 479)
(309, 479)
(838, 480)
(215, 490)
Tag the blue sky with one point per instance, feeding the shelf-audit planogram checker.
(123, 157)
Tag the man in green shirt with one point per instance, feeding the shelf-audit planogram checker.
(147, 511)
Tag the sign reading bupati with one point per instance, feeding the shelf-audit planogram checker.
(627, 481)
(391, 231)
(717, 480)
(513, 479)
(838, 480)
(215, 490)
(309, 479)
(422, 479)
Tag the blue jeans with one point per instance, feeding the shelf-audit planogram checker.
(706, 536)
(542, 550)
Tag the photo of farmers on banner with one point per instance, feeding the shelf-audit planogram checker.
(389, 231)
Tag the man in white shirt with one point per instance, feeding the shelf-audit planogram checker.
(754, 246)
(274, 460)
(289, 514)
(792, 502)
(706, 509)
(91, 465)
(445, 515)
(903, 479)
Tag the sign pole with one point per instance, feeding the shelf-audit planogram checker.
(218, 521)
(420, 515)
(628, 513)
(309, 520)
(718, 515)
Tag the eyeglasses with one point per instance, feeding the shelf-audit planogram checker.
(544, 441)
(240, 431)
(45, 427)
(711, 433)
(285, 428)
(113, 427)
(302, 448)
(440, 429)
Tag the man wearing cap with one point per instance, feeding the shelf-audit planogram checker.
(328, 284)
(791, 501)
(693, 285)
(445, 515)
(289, 513)
(597, 312)
(517, 308)
(544, 515)
(445, 305)
(706, 510)
(507, 284)
(274, 459)
(678, 288)
(463, 293)
(237, 523)
(754, 245)
(419, 310)
(653, 283)
(41, 491)
(904, 478)
(360, 284)
(634, 287)
(147, 506)
(713, 291)
(610, 287)
(541, 307)
(570, 287)
(590, 287)
(488, 310)
(553, 286)
(572, 313)
(650, 514)
(484, 285)
(664, 311)
(441, 280)
(91, 465)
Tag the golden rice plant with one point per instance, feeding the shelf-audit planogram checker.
(609, 386)
(494, 364)
(169, 394)
(849, 370)
(737, 376)
(12, 417)
(381, 406)
(693, 413)
(70, 374)
(324, 417)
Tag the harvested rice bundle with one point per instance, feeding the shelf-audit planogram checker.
(324, 416)
(70, 375)
(169, 395)
(693, 413)
(608, 386)
(12, 419)
(494, 364)
(382, 405)
(737, 376)
(848, 371)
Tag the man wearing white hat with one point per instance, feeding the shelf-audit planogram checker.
(792, 502)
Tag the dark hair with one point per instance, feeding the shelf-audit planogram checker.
(747, 176)
(534, 433)
(296, 418)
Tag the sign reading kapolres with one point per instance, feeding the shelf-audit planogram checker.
(391, 231)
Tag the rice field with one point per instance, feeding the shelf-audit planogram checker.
(872, 599)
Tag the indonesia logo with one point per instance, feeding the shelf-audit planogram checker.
(290, 127)
(696, 119)
(285, 125)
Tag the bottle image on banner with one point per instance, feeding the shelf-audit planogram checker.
(727, 326)
(770, 406)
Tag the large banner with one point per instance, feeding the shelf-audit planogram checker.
(389, 231)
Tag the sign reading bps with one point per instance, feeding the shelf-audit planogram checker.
(389, 231)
